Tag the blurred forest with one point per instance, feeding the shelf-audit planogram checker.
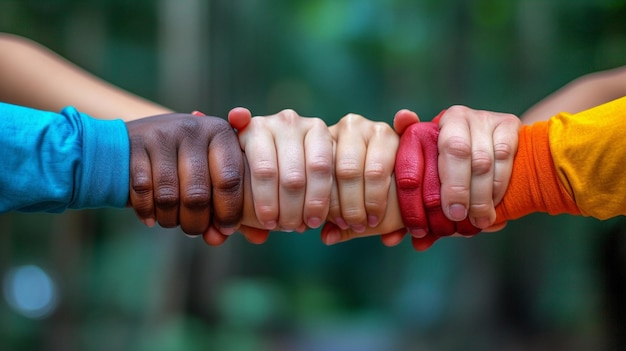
(100, 280)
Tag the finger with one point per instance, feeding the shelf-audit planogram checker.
(195, 185)
(318, 146)
(226, 172)
(424, 243)
(254, 235)
(213, 237)
(403, 119)
(394, 238)
(349, 167)
(167, 195)
(379, 163)
(334, 212)
(260, 151)
(409, 172)
(330, 233)
(505, 142)
(291, 171)
(438, 223)
(481, 210)
(455, 157)
(141, 191)
(239, 118)
(466, 228)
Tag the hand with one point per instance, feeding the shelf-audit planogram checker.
(461, 131)
(290, 159)
(186, 170)
(362, 203)
(476, 151)
(419, 189)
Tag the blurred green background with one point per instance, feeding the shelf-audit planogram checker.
(99, 280)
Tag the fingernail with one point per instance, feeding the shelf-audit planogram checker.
(457, 212)
(149, 222)
(372, 221)
(417, 232)
(341, 223)
(359, 228)
(314, 222)
(333, 237)
(198, 113)
(481, 222)
(269, 225)
(227, 231)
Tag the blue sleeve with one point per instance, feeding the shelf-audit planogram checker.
(54, 161)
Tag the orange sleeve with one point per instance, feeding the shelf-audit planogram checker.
(534, 184)
(570, 164)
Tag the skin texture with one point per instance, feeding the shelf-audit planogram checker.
(174, 181)
(392, 222)
(37, 77)
(34, 76)
(585, 92)
(357, 150)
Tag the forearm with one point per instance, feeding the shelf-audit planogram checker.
(583, 93)
(36, 77)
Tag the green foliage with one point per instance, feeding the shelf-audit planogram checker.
(536, 285)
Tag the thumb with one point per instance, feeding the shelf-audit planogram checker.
(403, 119)
(239, 118)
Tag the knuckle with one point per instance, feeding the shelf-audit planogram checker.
(189, 126)
(320, 165)
(317, 122)
(317, 204)
(375, 206)
(289, 224)
(512, 120)
(456, 147)
(503, 151)
(376, 173)
(479, 208)
(264, 170)
(143, 209)
(353, 215)
(457, 110)
(293, 181)
(229, 183)
(456, 193)
(266, 212)
(408, 183)
(197, 197)
(141, 183)
(348, 171)
(382, 128)
(166, 197)
(288, 116)
(482, 163)
(350, 119)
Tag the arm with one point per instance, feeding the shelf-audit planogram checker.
(583, 93)
(567, 165)
(34, 76)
